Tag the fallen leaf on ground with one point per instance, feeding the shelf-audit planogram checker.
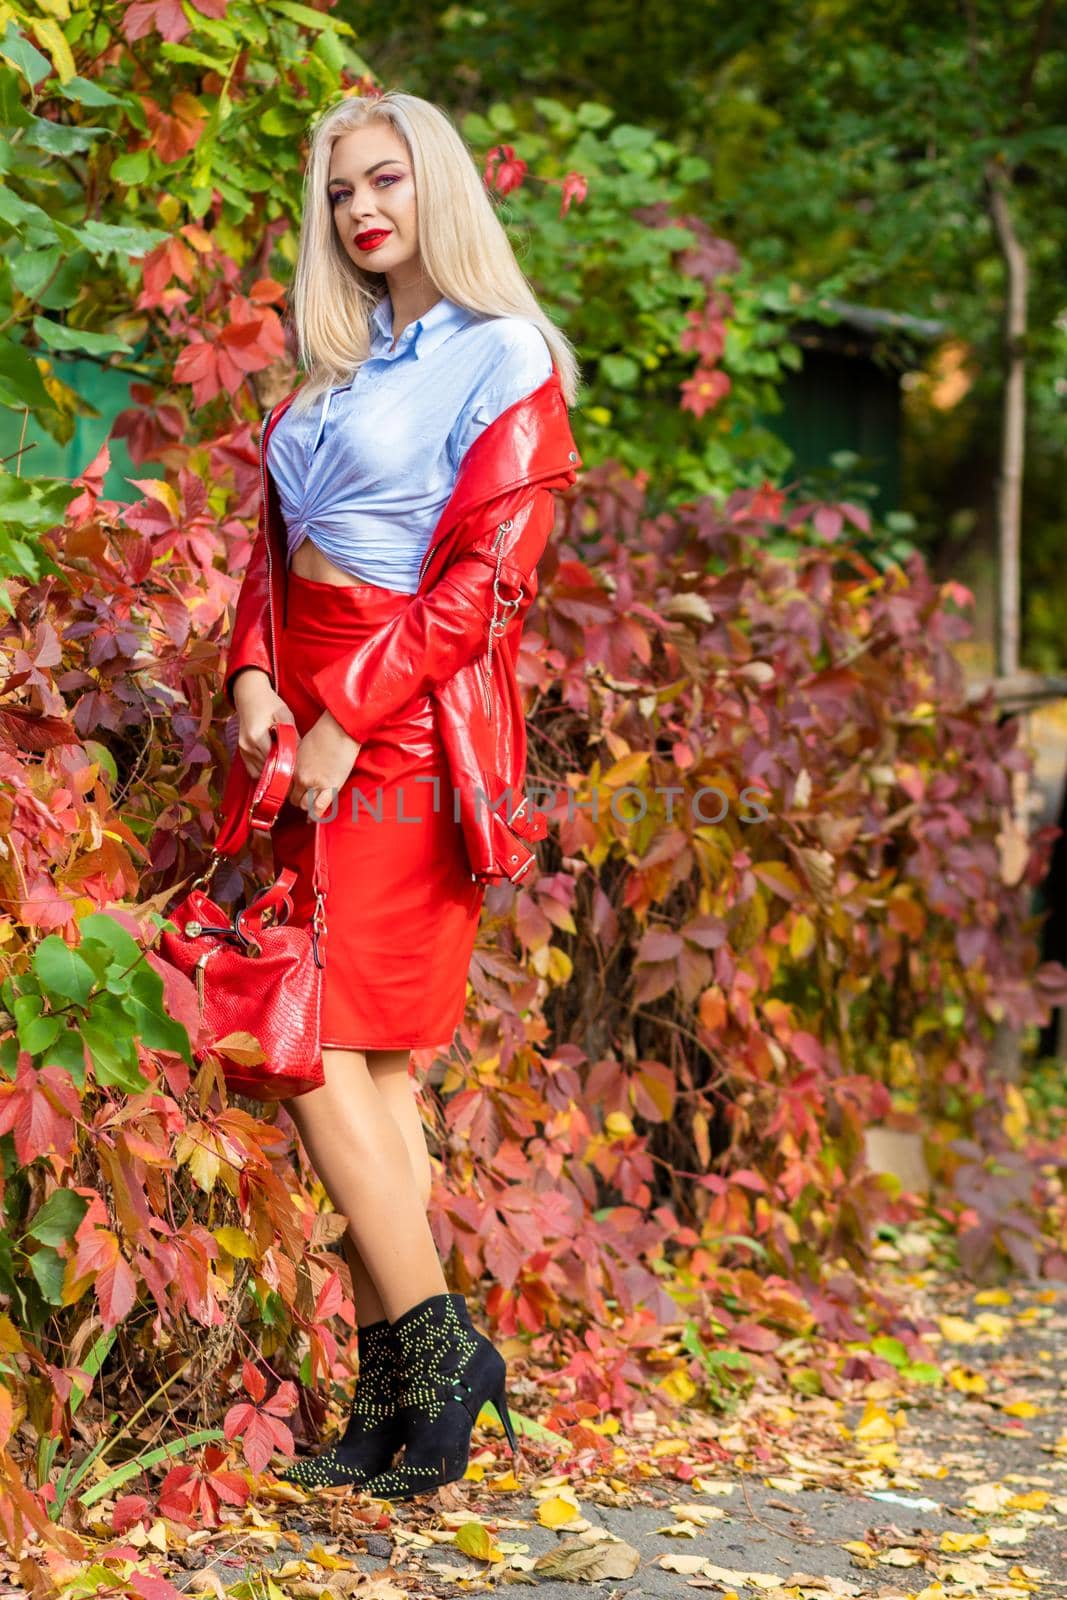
(474, 1539)
(686, 1565)
(575, 1559)
(557, 1512)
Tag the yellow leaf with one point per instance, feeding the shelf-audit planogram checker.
(560, 965)
(628, 770)
(682, 1530)
(989, 1497)
(53, 42)
(1036, 1500)
(1016, 1119)
(323, 1558)
(609, 1425)
(235, 1242)
(159, 489)
(505, 1480)
(997, 1327)
(679, 1386)
(801, 937)
(957, 1330)
(1022, 1408)
(967, 1381)
(556, 1512)
(875, 1423)
(475, 1540)
(858, 1547)
(953, 1543)
(618, 1125)
(899, 1557)
(993, 1297)
(668, 1447)
(475, 1471)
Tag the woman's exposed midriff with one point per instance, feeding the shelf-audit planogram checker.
(309, 562)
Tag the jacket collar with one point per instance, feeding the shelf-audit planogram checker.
(529, 441)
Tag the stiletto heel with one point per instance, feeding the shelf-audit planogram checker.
(500, 1406)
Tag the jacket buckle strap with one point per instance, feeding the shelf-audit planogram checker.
(501, 617)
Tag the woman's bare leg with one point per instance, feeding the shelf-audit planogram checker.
(389, 1070)
(360, 1152)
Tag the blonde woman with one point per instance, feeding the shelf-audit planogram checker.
(409, 491)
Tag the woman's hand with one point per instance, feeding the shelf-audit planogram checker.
(324, 761)
(258, 709)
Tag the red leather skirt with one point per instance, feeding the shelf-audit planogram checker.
(402, 909)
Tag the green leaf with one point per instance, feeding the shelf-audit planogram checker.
(103, 238)
(87, 93)
(61, 971)
(68, 1052)
(281, 122)
(63, 138)
(502, 117)
(17, 49)
(31, 270)
(627, 135)
(111, 1068)
(122, 949)
(48, 1268)
(155, 1027)
(57, 1221)
(891, 1350)
(21, 383)
(310, 19)
(59, 336)
(39, 1034)
(131, 169)
(591, 114)
(622, 372)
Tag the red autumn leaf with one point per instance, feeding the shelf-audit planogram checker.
(152, 1587)
(283, 1401)
(254, 1381)
(750, 1336)
(128, 1510)
(330, 1298)
(116, 1291)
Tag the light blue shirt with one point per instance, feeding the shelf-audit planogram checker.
(366, 473)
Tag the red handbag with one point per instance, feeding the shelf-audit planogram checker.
(254, 972)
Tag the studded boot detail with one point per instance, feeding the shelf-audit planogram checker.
(373, 1434)
(447, 1372)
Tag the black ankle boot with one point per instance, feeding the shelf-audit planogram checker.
(373, 1435)
(447, 1372)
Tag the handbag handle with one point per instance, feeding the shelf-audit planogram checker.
(276, 778)
(271, 791)
(272, 787)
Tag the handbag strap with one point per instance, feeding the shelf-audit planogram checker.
(261, 812)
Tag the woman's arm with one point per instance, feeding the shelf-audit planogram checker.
(249, 639)
(440, 631)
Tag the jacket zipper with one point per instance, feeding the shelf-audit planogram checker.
(266, 536)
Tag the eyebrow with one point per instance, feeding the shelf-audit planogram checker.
(387, 162)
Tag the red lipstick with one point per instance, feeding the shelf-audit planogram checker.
(372, 238)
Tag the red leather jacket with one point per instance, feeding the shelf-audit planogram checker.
(457, 639)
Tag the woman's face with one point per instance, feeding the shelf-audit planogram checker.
(372, 196)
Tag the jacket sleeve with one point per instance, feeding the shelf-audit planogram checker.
(249, 644)
(440, 631)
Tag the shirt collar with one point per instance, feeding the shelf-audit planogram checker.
(425, 333)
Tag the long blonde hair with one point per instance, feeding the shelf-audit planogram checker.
(462, 242)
